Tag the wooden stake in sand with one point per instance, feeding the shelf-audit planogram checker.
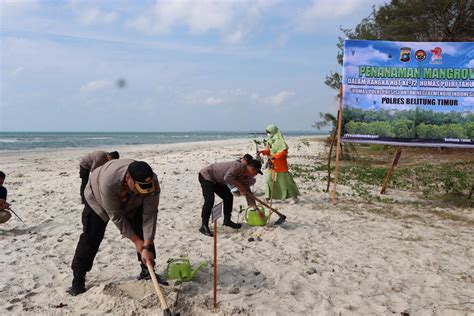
(216, 213)
(274, 176)
(338, 148)
(390, 169)
(164, 304)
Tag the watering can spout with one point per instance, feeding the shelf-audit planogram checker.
(200, 265)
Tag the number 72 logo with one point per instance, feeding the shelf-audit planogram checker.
(436, 53)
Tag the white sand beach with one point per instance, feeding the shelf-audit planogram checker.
(352, 258)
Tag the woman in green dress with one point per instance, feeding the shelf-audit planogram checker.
(279, 182)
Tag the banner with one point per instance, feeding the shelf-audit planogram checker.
(408, 93)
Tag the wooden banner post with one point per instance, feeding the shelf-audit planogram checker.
(216, 213)
(391, 168)
(338, 148)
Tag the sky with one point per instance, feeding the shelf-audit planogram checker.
(143, 65)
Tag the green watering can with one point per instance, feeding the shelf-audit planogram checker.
(180, 269)
(256, 217)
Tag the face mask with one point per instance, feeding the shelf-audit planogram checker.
(269, 134)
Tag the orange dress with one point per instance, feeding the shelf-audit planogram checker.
(280, 164)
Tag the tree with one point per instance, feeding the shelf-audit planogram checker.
(411, 20)
(326, 119)
(403, 128)
(469, 129)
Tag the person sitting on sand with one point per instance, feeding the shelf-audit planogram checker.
(4, 205)
(215, 178)
(92, 161)
(127, 192)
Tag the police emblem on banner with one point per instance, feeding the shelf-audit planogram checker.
(405, 54)
(420, 55)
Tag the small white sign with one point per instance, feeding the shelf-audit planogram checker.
(216, 211)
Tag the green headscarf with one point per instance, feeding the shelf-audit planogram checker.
(277, 142)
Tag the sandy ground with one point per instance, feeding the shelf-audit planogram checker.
(356, 257)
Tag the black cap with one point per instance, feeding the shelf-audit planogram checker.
(114, 155)
(247, 157)
(142, 175)
(256, 164)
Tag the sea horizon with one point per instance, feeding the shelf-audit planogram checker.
(26, 140)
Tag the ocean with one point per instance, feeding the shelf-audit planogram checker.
(63, 140)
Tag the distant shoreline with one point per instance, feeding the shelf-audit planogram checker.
(50, 142)
(168, 132)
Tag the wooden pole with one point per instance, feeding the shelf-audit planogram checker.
(161, 297)
(390, 169)
(338, 148)
(215, 264)
(333, 139)
(271, 196)
(273, 187)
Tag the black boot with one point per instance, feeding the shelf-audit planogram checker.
(204, 229)
(232, 224)
(78, 284)
(145, 275)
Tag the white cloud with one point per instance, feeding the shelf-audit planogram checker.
(321, 11)
(365, 55)
(96, 16)
(234, 38)
(204, 96)
(282, 39)
(199, 16)
(351, 70)
(95, 86)
(234, 20)
(280, 98)
(233, 92)
(141, 23)
(213, 101)
(17, 71)
(14, 7)
(255, 96)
